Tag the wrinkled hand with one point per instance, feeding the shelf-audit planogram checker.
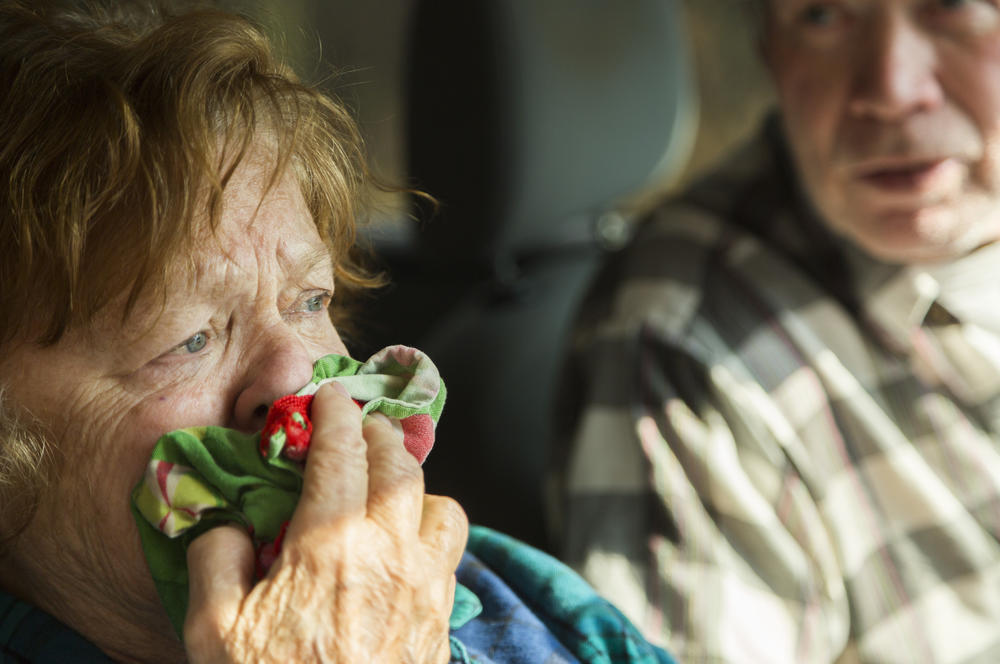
(366, 572)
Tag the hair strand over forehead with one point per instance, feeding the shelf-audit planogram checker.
(121, 127)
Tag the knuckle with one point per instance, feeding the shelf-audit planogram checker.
(453, 516)
(342, 445)
(343, 434)
(400, 465)
(409, 470)
(323, 546)
(445, 531)
(336, 421)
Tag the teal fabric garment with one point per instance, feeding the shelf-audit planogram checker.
(515, 605)
(30, 635)
(536, 609)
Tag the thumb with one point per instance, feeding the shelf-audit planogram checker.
(220, 575)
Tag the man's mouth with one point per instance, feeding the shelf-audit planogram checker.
(908, 176)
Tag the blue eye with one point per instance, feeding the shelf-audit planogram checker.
(316, 303)
(195, 343)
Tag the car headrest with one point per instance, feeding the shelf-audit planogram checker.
(529, 118)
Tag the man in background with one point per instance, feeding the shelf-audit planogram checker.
(785, 407)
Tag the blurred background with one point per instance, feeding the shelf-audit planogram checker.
(360, 49)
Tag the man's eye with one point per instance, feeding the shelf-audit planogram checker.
(819, 15)
(971, 5)
(965, 17)
(195, 343)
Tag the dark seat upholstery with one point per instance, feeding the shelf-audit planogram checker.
(529, 120)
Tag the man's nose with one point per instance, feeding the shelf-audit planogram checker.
(281, 365)
(895, 70)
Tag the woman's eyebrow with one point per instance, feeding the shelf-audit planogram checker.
(316, 261)
(213, 279)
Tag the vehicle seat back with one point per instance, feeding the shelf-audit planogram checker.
(530, 121)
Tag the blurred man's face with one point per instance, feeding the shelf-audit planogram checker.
(892, 110)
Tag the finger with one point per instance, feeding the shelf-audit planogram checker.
(444, 530)
(220, 574)
(436, 647)
(395, 480)
(336, 472)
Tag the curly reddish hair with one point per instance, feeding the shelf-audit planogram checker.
(121, 124)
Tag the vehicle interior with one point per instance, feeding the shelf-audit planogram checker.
(542, 129)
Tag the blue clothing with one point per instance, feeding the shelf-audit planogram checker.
(518, 605)
(30, 635)
(535, 609)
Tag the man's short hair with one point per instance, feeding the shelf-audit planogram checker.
(118, 125)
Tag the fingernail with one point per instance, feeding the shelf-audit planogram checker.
(392, 422)
(339, 387)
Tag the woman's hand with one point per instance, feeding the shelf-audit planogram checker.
(366, 571)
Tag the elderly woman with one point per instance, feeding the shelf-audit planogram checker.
(176, 226)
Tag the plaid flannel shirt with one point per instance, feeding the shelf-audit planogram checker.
(778, 449)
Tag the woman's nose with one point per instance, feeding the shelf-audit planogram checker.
(282, 367)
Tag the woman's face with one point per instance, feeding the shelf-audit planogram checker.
(240, 329)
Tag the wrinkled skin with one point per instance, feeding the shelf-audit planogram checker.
(359, 515)
(892, 111)
(368, 564)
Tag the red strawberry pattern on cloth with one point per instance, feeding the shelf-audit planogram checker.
(289, 424)
(289, 427)
(201, 477)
